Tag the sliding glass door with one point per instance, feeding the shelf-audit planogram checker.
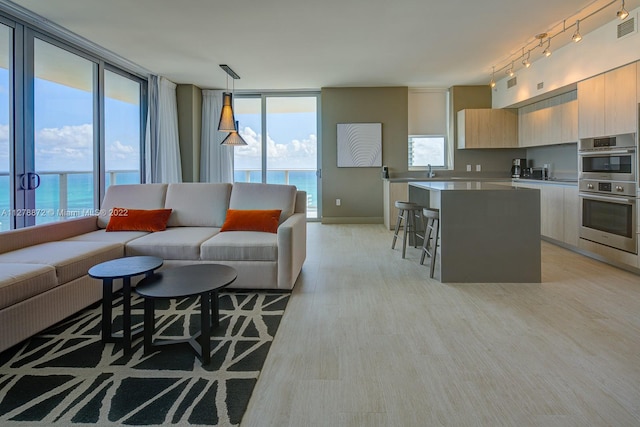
(122, 131)
(287, 153)
(6, 149)
(63, 133)
(70, 126)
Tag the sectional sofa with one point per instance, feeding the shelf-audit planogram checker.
(43, 269)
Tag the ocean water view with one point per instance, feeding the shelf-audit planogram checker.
(80, 192)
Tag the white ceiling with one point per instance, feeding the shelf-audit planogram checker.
(309, 44)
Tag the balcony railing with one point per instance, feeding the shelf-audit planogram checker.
(302, 178)
(64, 194)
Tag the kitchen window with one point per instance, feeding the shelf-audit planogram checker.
(428, 128)
(427, 150)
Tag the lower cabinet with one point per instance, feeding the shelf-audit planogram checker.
(393, 191)
(559, 211)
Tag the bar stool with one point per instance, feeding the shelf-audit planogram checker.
(432, 218)
(407, 212)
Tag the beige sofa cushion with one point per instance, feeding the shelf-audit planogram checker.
(197, 204)
(174, 243)
(133, 196)
(19, 282)
(70, 259)
(241, 246)
(21, 238)
(264, 196)
(104, 236)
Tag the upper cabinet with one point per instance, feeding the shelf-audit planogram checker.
(547, 122)
(608, 103)
(487, 128)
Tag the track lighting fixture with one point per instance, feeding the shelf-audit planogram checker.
(622, 13)
(492, 82)
(547, 51)
(576, 36)
(525, 61)
(556, 30)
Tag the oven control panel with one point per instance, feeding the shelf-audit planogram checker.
(622, 188)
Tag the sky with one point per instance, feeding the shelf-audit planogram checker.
(291, 141)
(64, 129)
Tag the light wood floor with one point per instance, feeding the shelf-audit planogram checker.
(369, 340)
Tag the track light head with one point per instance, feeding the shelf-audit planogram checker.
(622, 13)
(547, 51)
(492, 83)
(576, 36)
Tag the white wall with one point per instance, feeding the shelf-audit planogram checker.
(599, 51)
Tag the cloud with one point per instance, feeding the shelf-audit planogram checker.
(66, 148)
(296, 154)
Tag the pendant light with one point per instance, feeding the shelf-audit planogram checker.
(234, 138)
(622, 13)
(227, 120)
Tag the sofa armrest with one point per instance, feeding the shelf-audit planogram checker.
(292, 249)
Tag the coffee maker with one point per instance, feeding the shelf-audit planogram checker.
(517, 167)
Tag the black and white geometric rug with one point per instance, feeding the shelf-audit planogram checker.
(67, 376)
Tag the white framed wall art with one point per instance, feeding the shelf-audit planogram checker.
(359, 145)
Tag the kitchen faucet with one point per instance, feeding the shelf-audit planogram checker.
(430, 174)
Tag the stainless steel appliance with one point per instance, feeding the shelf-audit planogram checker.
(517, 167)
(608, 212)
(608, 191)
(611, 158)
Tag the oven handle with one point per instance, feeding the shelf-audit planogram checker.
(606, 152)
(607, 198)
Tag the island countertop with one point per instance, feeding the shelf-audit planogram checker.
(461, 185)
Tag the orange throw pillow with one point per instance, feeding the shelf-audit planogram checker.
(124, 219)
(252, 220)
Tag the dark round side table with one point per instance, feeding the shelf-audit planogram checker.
(204, 280)
(125, 269)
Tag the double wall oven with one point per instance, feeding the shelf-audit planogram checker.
(608, 191)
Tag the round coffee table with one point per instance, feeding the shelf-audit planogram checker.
(125, 269)
(204, 280)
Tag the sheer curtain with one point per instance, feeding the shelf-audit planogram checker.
(162, 142)
(216, 161)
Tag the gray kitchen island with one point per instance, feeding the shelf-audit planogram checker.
(489, 233)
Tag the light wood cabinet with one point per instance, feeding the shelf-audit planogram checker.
(620, 103)
(608, 103)
(569, 114)
(548, 122)
(559, 211)
(591, 107)
(487, 128)
(552, 211)
(571, 215)
(393, 191)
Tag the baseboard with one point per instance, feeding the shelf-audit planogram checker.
(353, 220)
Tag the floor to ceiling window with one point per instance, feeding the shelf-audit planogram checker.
(6, 151)
(71, 124)
(122, 132)
(63, 132)
(287, 152)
